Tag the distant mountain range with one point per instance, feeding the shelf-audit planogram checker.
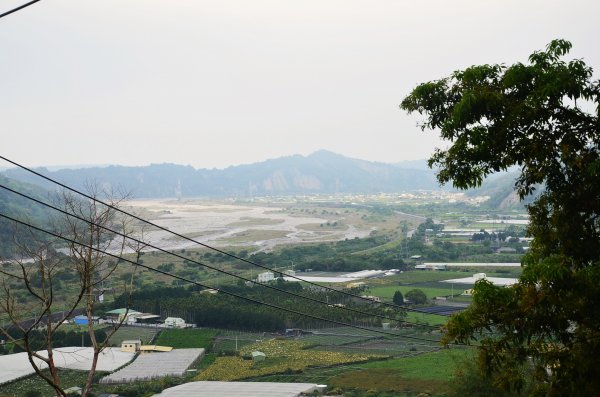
(322, 172)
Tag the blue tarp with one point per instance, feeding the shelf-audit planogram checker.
(81, 320)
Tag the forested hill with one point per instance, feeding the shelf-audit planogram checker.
(501, 190)
(21, 208)
(322, 172)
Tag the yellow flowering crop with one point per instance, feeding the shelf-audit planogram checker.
(282, 356)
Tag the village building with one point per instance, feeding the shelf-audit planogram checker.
(265, 277)
(131, 346)
(175, 322)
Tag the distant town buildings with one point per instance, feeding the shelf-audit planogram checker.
(373, 298)
(132, 317)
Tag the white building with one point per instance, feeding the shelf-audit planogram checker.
(175, 322)
(265, 277)
(131, 346)
(431, 266)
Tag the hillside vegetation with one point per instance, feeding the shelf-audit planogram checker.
(18, 207)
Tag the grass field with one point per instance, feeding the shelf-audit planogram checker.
(430, 319)
(439, 365)
(425, 373)
(146, 335)
(66, 327)
(388, 380)
(186, 338)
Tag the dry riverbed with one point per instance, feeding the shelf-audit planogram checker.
(221, 224)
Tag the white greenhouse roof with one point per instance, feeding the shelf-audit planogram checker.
(15, 366)
(155, 365)
(498, 281)
(317, 279)
(238, 389)
(475, 264)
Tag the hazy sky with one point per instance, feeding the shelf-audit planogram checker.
(219, 83)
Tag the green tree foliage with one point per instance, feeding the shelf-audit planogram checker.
(227, 312)
(343, 255)
(416, 296)
(470, 381)
(398, 299)
(10, 203)
(543, 117)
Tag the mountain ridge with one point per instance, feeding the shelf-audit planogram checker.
(321, 172)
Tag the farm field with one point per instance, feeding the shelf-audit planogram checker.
(186, 338)
(388, 380)
(344, 356)
(345, 339)
(341, 339)
(429, 372)
(145, 334)
(228, 341)
(230, 344)
(426, 373)
(282, 356)
(439, 365)
(423, 318)
(430, 282)
(385, 347)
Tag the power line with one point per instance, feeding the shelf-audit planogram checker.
(18, 8)
(206, 245)
(200, 263)
(216, 289)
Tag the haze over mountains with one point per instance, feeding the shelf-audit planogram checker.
(322, 172)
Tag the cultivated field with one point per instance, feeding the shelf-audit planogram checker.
(186, 338)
